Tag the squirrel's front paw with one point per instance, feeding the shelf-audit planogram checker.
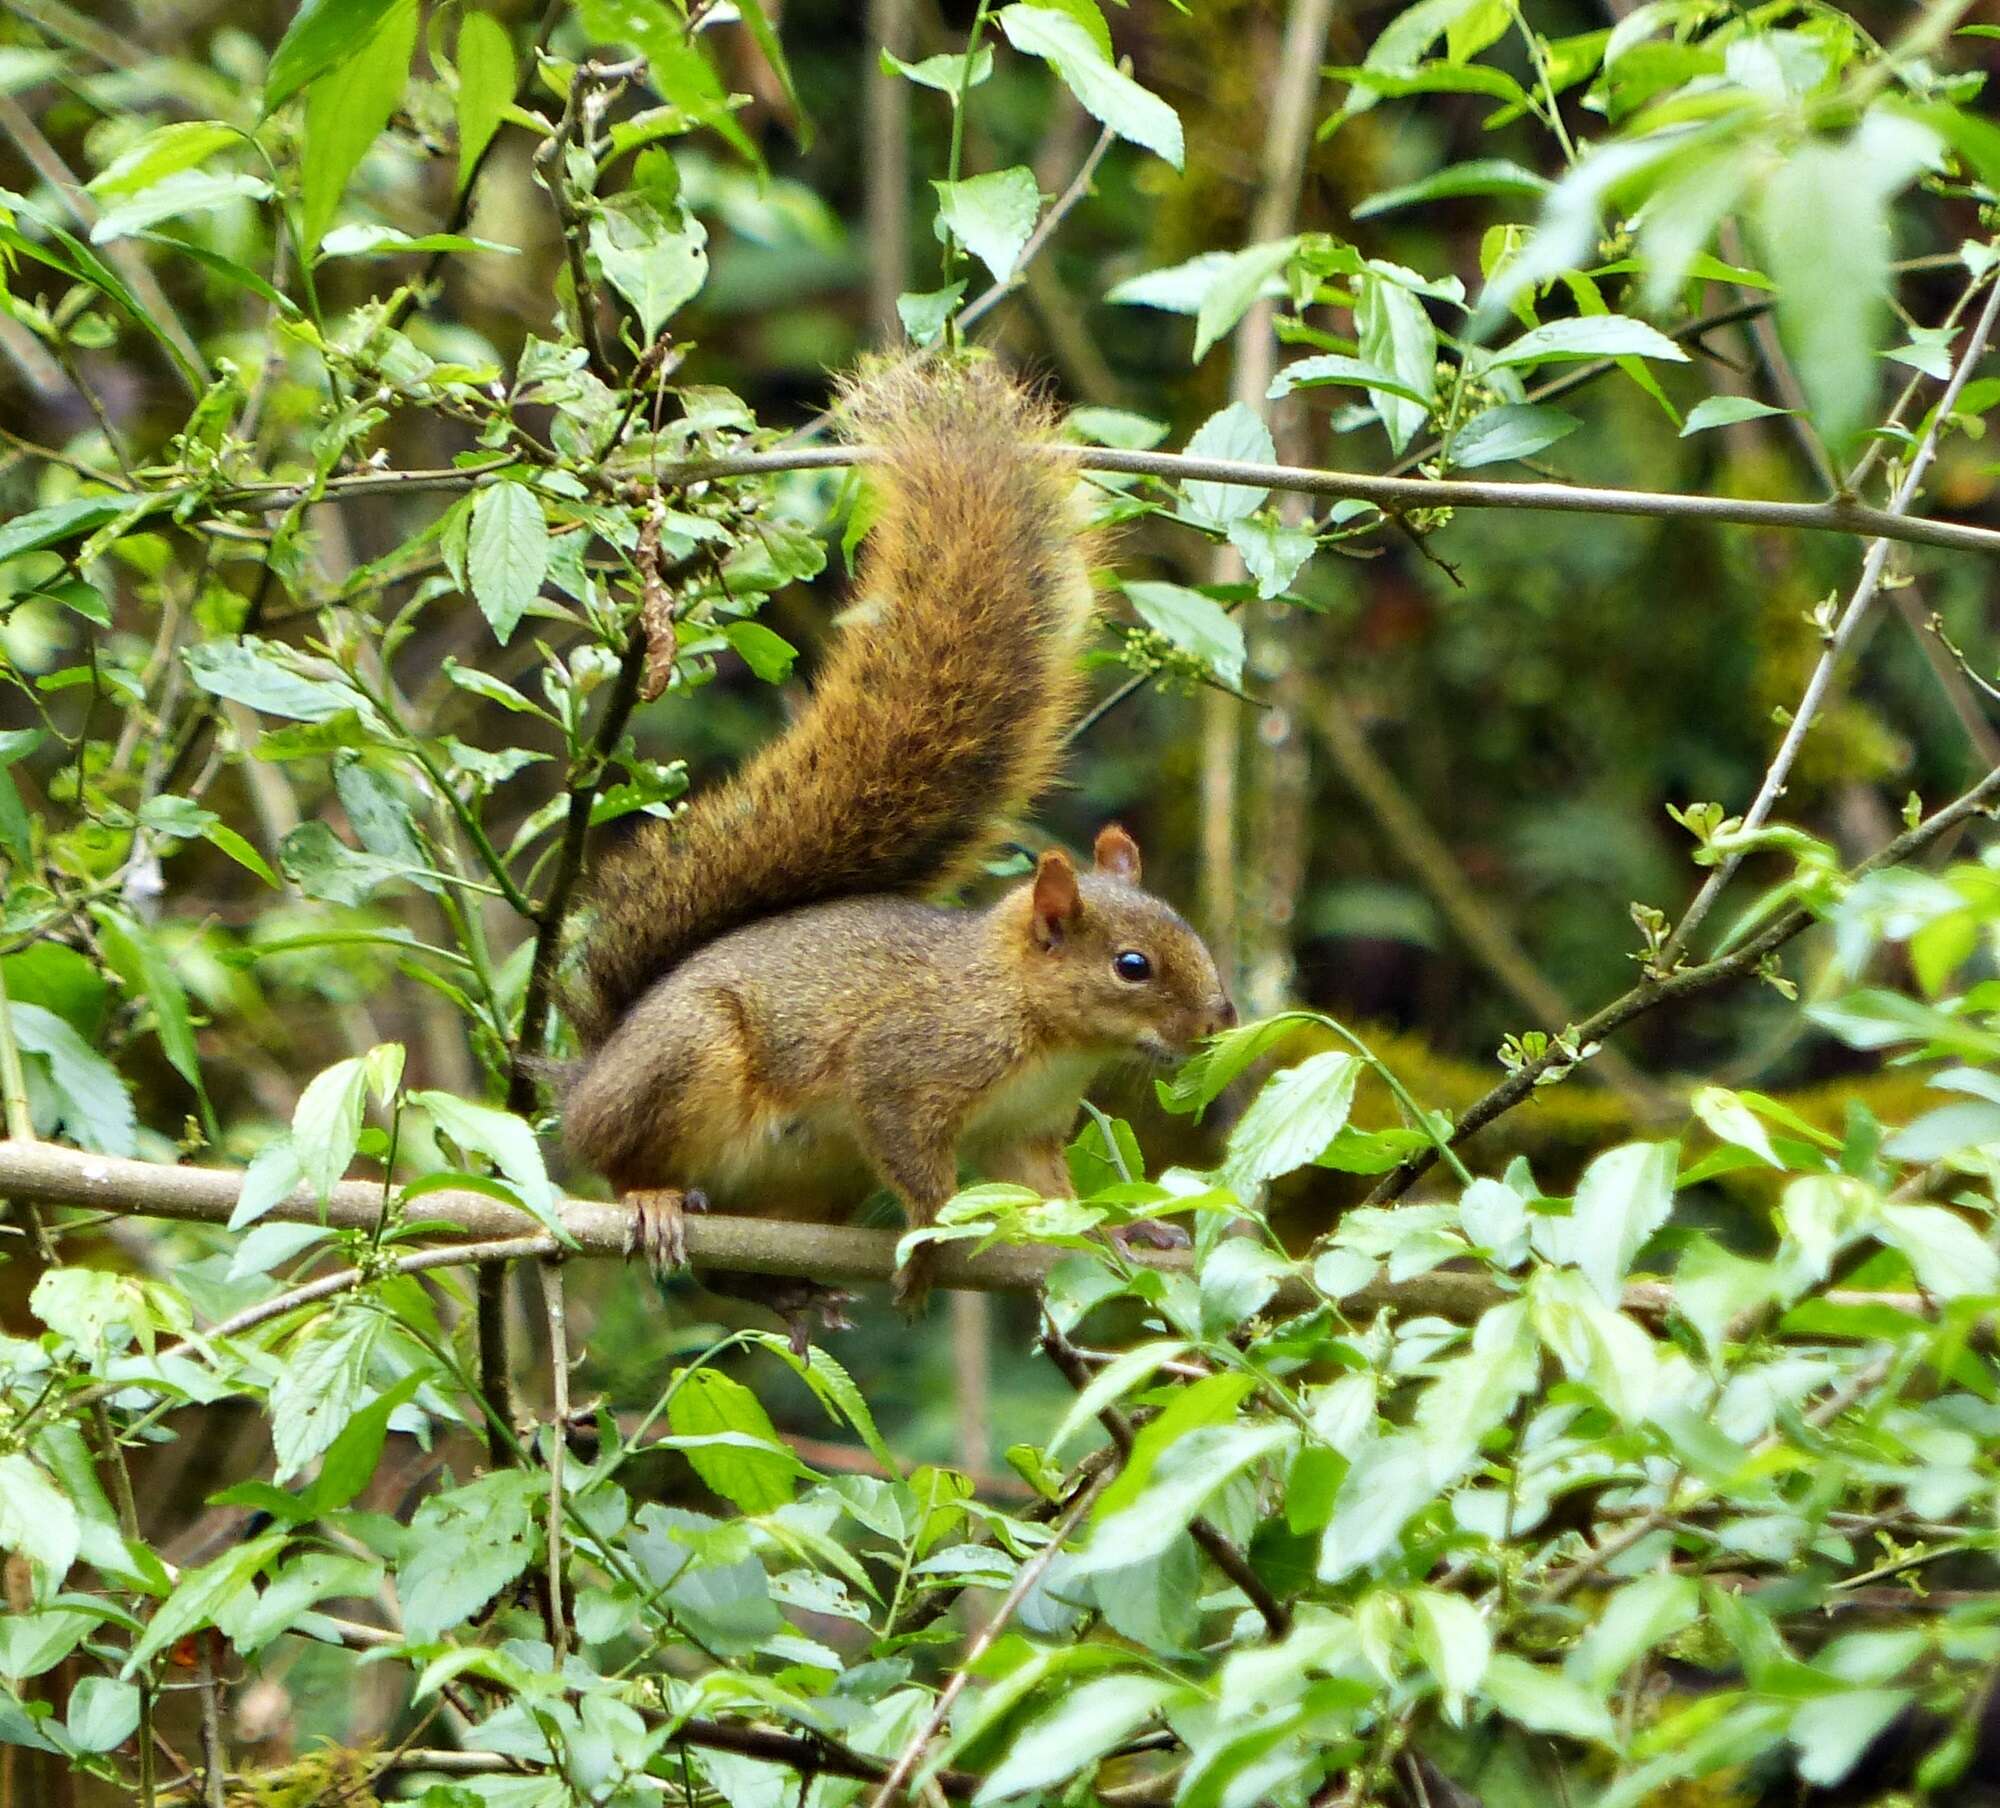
(659, 1225)
(914, 1280)
(1150, 1233)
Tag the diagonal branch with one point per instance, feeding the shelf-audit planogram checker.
(1867, 586)
(1684, 982)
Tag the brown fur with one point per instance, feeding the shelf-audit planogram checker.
(777, 1021)
(941, 706)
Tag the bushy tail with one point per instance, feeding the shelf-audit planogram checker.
(942, 704)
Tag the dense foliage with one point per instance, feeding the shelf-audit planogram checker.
(413, 469)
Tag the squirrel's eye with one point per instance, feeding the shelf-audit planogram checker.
(1132, 966)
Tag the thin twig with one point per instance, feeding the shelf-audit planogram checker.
(13, 1078)
(1025, 1578)
(552, 1299)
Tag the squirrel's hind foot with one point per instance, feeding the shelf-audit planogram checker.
(659, 1225)
(799, 1302)
(914, 1280)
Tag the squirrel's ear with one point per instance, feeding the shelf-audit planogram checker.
(1056, 900)
(1117, 854)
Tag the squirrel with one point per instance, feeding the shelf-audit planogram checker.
(772, 1015)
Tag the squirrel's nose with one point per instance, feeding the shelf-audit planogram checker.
(1223, 1017)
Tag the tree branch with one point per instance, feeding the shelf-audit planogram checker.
(1653, 991)
(1392, 494)
(839, 1254)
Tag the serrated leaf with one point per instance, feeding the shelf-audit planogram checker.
(1195, 624)
(1239, 280)
(346, 109)
(323, 1379)
(992, 215)
(506, 554)
(1395, 333)
(1238, 434)
(755, 1472)
(1591, 336)
(1512, 430)
(1624, 1196)
(1300, 1110)
(1110, 98)
(1726, 411)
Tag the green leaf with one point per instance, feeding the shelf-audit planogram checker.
(767, 654)
(1512, 430)
(1274, 551)
(1335, 367)
(200, 1595)
(322, 1381)
(506, 554)
(346, 109)
(1624, 1196)
(924, 315)
(465, 1546)
(1188, 1474)
(252, 671)
(1395, 333)
(325, 867)
(58, 522)
(1591, 336)
(1196, 625)
(1224, 1058)
(1726, 411)
(1950, 1258)
(1110, 98)
(1387, 1485)
(1637, 1620)
(36, 1519)
(654, 256)
(1177, 289)
(486, 84)
(363, 238)
(992, 215)
(946, 72)
(1237, 434)
(95, 1108)
(1546, 1701)
(1086, 1722)
(155, 155)
(326, 1123)
(322, 35)
(1824, 226)
(506, 1140)
(1300, 1110)
(1453, 1642)
(103, 1713)
(172, 198)
(754, 1477)
(1240, 279)
(1483, 176)
(135, 955)
(1833, 1731)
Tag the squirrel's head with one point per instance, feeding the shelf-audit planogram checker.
(1133, 976)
